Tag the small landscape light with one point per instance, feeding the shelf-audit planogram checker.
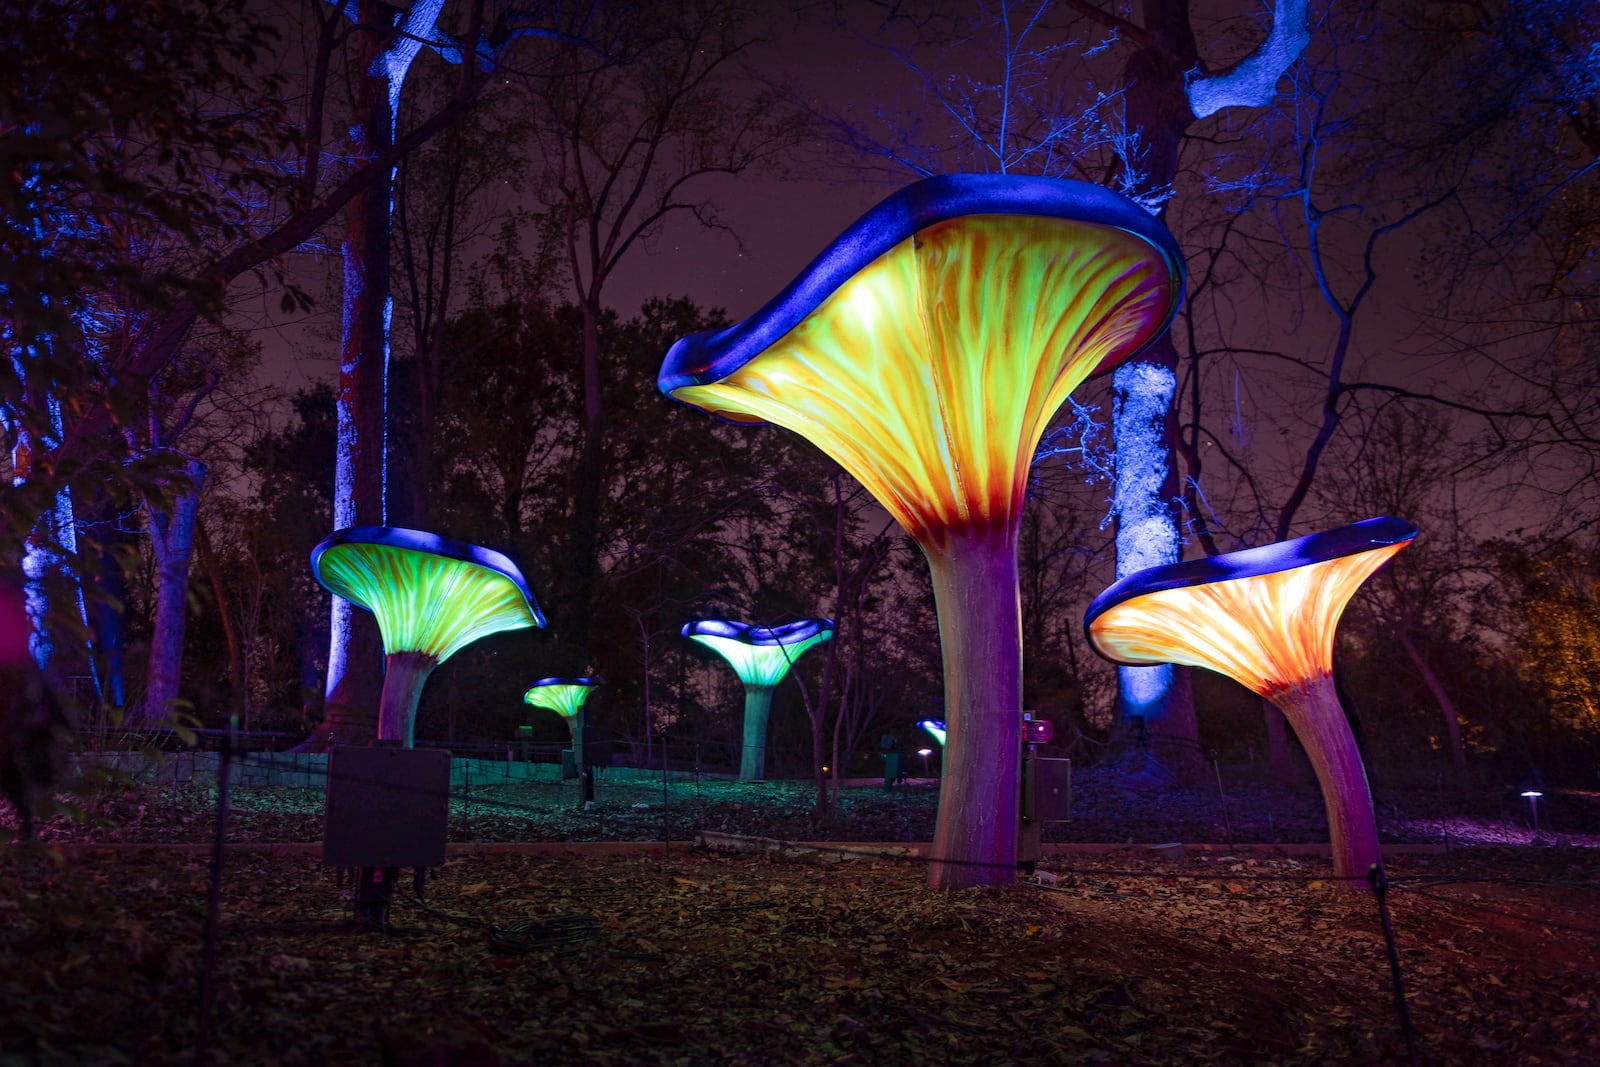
(1533, 796)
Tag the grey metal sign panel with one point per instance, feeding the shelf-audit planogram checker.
(1052, 790)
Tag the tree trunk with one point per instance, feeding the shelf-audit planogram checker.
(1144, 423)
(1313, 709)
(753, 756)
(172, 539)
(588, 487)
(1143, 426)
(980, 632)
(1447, 707)
(108, 624)
(53, 530)
(230, 632)
(355, 648)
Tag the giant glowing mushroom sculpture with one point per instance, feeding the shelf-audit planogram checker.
(1265, 617)
(926, 351)
(431, 596)
(760, 656)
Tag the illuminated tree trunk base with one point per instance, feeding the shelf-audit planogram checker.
(355, 652)
(1318, 719)
(980, 631)
(172, 542)
(404, 674)
(753, 757)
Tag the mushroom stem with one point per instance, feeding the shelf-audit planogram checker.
(1313, 710)
(757, 707)
(980, 631)
(404, 674)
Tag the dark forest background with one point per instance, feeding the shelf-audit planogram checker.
(1391, 310)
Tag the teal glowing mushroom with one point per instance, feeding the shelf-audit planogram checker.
(760, 656)
(431, 597)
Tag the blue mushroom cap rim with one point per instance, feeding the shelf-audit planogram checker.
(432, 544)
(710, 356)
(787, 634)
(591, 682)
(1254, 562)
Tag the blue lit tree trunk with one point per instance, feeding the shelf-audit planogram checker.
(53, 531)
(172, 542)
(110, 644)
(1163, 99)
(384, 53)
(1154, 703)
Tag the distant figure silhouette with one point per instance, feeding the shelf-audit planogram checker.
(889, 747)
(32, 715)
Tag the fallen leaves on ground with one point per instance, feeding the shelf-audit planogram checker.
(1106, 807)
(746, 959)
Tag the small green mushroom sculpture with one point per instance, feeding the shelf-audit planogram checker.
(431, 596)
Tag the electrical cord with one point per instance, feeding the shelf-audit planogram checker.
(519, 936)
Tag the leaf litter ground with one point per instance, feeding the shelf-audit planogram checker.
(800, 957)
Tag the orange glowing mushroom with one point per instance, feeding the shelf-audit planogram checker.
(1265, 617)
(926, 351)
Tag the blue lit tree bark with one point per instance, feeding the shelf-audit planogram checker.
(172, 530)
(1164, 98)
(387, 42)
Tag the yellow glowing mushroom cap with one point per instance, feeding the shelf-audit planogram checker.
(928, 348)
(428, 593)
(1264, 617)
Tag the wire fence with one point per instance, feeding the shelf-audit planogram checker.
(684, 776)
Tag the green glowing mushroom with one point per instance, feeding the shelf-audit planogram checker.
(760, 656)
(565, 697)
(431, 597)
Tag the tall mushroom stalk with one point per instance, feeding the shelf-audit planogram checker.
(431, 597)
(926, 351)
(760, 656)
(1266, 617)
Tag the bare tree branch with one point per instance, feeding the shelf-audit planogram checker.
(1253, 81)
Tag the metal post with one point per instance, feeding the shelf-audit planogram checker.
(1028, 837)
(1227, 823)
